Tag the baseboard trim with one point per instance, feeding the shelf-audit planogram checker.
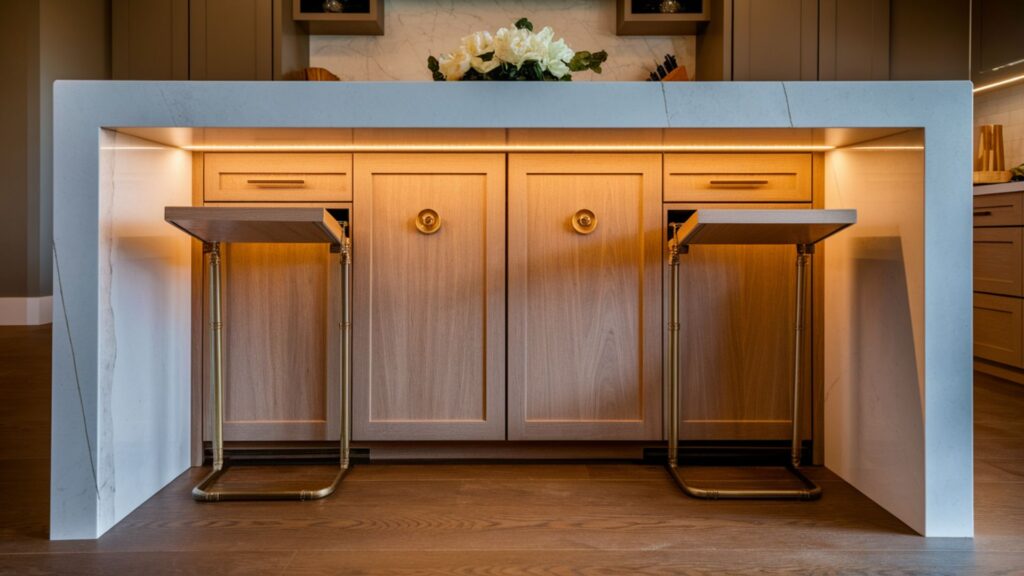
(26, 311)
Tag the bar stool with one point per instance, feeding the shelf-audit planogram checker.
(216, 225)
(802, 228)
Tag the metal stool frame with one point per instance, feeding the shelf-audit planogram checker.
(810, 491)
(202, 491)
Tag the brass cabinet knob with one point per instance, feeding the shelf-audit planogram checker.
(427, 221)
(584, 221)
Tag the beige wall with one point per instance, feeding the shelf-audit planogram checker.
(1003, 106)
(39, 42)
(415, 29)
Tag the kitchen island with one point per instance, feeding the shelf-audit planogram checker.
(895, 344)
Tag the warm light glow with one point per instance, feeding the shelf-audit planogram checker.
(508, 148)
(909, 147)
(1000, 83)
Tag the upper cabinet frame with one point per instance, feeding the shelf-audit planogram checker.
(370, 23)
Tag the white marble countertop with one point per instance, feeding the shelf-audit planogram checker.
(121, 333)
(983, 189)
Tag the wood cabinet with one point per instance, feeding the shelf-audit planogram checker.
(775, 40)
(997, 52)
(280, 315)
(429, 312)
(999, 282)
(737, 346)
(836, 40)
(584, 327)
(280, 305)
(738, 178)
(206, 40)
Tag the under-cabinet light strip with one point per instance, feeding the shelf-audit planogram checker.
(1012, 80)
(508, 148)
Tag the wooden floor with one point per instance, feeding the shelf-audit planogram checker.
(496, 519)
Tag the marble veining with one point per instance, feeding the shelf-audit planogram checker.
(415, 29)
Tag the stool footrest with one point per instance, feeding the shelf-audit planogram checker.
(810, 491)
(202, 493)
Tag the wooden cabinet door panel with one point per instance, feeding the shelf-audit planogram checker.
(998, 329)
(429, 322)
(280, 345)
(584, 309)
(736, 317)
(231, 40)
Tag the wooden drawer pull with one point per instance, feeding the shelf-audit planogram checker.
(738, 182)
(983, 213)
(296, 182)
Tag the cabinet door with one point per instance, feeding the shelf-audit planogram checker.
(736, 330)
(429, 316)
(854, 39)
(149, 39)
(280, 343)
(231, 40)
(775, 40)
(584, 309)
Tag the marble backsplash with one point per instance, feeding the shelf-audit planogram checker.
(415, 29)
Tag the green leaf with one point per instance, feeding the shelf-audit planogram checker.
(432, 64)
(487, 56)
(588, 61)
(524, 23)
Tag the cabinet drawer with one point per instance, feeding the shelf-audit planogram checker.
(998, 329)
(999, 209)
(737, 178)
(266, 177)
(997, 260)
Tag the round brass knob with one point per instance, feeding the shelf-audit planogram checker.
(584, 221)
(427, 221)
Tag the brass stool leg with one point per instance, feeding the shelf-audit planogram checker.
(202, 492)
(811, 491)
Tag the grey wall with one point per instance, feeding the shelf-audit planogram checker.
(39, 42)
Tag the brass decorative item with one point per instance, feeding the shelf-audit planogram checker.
(428, 222)
(584, 221)
(989, 161)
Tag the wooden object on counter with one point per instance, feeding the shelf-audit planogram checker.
(429, 355)
(584, 316)
(990, 161)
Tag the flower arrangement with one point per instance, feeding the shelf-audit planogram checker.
(516, 53)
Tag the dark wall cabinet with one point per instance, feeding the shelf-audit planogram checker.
(997, 52)
(835, 40)
(206, 40)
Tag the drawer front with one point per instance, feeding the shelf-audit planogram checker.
(998, 329)
(271, 177)
(737, 177)
(999, 209)
(997, 260)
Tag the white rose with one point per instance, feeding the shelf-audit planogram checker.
(478, 43)
(511, 45)
(558, 57)
(484, 66)
(455, 65)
